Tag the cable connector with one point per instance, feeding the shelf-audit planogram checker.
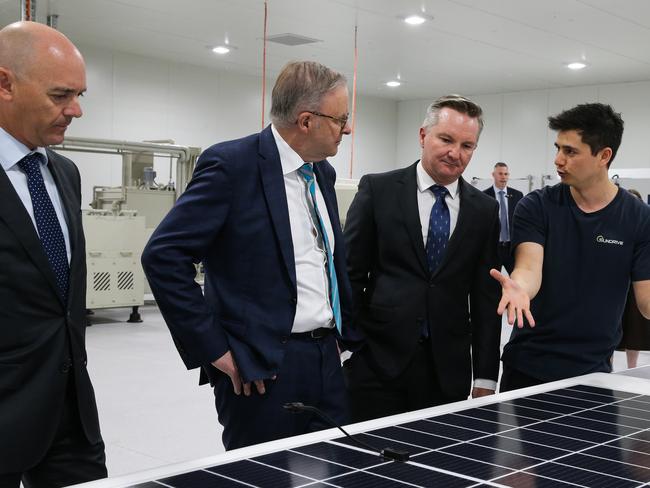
(395, 454)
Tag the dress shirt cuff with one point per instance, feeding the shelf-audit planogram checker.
(487, 384)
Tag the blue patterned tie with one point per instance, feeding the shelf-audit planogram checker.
(47, 223)
(438, 234)
(504, 235)
(307, 172)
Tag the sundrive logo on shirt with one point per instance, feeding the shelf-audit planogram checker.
(604, 240)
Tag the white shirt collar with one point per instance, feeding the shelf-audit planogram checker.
(425, 181)
(12, 150)
(289, 158)
(497, 190)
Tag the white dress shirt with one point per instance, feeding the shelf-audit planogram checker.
(425, 204)
(11, 152)
(313, 309)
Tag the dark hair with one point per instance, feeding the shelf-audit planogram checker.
(501, 164)
(458, 103)
(598, 125)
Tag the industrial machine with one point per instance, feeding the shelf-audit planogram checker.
(123, 218)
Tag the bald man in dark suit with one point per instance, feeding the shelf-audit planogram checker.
(48, 416)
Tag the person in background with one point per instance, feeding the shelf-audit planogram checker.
(636, 328)
(49, 427)
(421, 242)
(260, 213)
(577, 246)
(507, 198)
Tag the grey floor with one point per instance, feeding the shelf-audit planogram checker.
(151, 409)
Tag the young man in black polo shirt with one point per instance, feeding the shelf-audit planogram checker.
(578, 245)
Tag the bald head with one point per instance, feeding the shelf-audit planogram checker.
(24, 44)
(42, 76)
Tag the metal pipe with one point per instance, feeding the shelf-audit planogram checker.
(186, 156)
(71, 142)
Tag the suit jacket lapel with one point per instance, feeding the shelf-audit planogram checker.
(464, 221)
(408, 188)
(70, 207)
(13, 212)
(276, 198)
(511, 209)
(330, 198)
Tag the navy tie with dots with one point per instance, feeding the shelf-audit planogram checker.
(438, 234)
(47, 223)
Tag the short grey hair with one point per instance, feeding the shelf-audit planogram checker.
(455, 102)
(300, 87)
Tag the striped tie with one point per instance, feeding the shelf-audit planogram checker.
(307, 172)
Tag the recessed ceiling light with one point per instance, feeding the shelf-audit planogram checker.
(576, 66)
(221, 50)
(393, 83)
(415, 20)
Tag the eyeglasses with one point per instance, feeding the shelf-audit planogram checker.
(342, 121)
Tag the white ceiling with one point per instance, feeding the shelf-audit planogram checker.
(470, 46)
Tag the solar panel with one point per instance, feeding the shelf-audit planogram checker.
(592, 431)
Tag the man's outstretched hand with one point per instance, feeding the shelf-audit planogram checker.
(514, 299)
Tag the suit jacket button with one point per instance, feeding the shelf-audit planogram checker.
(432, 285)
(284, 339)
(294, 300)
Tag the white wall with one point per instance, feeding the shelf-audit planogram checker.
(516, 127)
(136, 98)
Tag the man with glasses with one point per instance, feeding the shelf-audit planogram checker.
(421, 242)
(261, 215)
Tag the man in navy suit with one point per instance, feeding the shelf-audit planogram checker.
(507, 198)
(49, 430)
(261, 215)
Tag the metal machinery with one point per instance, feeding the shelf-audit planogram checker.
(123, 218)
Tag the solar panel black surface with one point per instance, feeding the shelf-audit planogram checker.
(577, 436)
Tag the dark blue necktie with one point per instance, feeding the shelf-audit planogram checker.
(504, 235)
(438, 234)
(47, 223)
(307, 172)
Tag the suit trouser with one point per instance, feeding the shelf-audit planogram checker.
(416, 387)
(310, 373)
(70, 460)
